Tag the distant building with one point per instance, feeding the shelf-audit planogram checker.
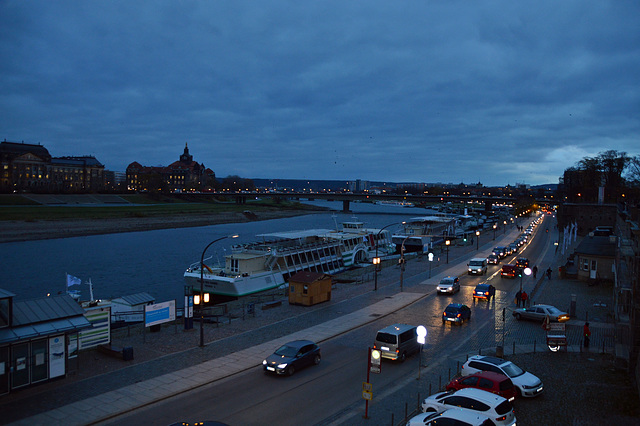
(359, 185)
(182, 175)
(30, 168)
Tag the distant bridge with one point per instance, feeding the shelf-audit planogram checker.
(347, 197)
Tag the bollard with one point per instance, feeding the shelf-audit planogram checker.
(439, 382)
(603, 346)
(457, 367)
(514, 347)
(430, 388)
(392, 422)
(418, 406)
(480, 351)
(449, 374)
(534, 346)
(406, 411)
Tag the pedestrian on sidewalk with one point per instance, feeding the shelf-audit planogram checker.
(518, 298)
(587, 334)
(535, 271)
(549, 272)
(524, 296)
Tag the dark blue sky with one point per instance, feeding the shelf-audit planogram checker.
(500, 92)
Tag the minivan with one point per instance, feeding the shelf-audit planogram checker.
(397, 341)
(477, 266)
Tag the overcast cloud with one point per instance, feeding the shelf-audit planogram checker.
(498, 92)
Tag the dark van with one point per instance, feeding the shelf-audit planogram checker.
(397, 341)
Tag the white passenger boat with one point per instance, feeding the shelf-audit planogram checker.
(268, 264)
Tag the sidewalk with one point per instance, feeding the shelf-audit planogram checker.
(146, 388)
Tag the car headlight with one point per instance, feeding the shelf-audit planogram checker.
(531, 387)
(282, 365)
(264, 362)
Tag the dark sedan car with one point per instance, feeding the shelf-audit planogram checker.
(292, 356)
(484, 291)
(456, 312)
(493, 259)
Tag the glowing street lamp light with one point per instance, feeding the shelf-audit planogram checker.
(447, 242)
(495, 225)
(477, 240)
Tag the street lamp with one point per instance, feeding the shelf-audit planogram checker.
(201, 299)
(504, 229)
(402, 263)
(447, 242)
(495, 225)
(376, 260)
(477, 240)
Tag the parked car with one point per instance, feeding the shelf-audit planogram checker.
(452, 416)
(509, 270)
(528, 385)
(539, 312)
(457, 313)
(292, 356)
(492, 259)
(484, 291)
(497, 408)
(488, 381)
(449, 285)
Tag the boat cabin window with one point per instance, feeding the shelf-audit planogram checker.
(235, 265)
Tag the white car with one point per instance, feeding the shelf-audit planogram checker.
(452, 416)
(497, 408)
(528, 385)
(449, 285)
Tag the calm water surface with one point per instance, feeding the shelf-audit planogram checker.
(153, 261)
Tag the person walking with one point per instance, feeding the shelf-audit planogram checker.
(518, 298)
(587, 334)
(535, 270)
(524, 296)
(549, 272)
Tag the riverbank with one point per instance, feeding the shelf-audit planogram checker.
(17, 230)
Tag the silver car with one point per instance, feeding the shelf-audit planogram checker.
(449, 285)
(539, 312)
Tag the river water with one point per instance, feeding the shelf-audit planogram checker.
(154, 261)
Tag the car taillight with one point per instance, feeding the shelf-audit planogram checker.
(486, 293)
(499, 419)
(459, 315)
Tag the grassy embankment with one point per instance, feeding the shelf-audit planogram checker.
(16, 207)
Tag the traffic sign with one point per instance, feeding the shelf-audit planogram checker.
(367, 395)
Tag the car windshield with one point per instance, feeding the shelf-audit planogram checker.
(446, 281)
(554, 311)
(512, 370)
(287, 351)
(452, 309)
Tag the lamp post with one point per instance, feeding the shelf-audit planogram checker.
(504, 229)
(495, 225)
(402, 263)
(477, 240)
(376, 260)
(447, 242)
(201, 298)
